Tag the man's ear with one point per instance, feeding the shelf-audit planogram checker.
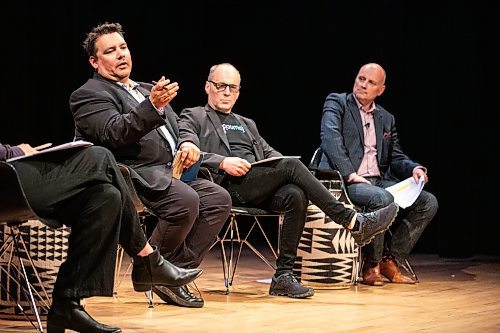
(93, 62)
(381, 90)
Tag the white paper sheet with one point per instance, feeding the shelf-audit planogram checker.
(73, 144)
(406, 192)
(273, 158)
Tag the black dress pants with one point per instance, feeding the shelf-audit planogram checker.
(190, 215)
(83, 189)
(286, 186)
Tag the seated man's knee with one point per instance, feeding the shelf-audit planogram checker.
(223, 200)
(98, 151)
(292, 162)
(109, 195)
(380, 198)
(98, 155)
(295, 196)
(103, 198)
(222, 208)
(187, 205)
(429, 201)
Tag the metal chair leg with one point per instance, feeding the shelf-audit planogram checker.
(118, 268)
(149, 296)
(230, 256)
(410, 269)
(26, 280)
(359, 266)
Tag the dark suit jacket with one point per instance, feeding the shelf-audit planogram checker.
(107, 115)
(202, 126)
(342, 139)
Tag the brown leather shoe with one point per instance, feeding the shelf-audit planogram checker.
(371, 275)
(390, 270)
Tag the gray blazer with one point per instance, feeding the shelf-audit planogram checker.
(202, 126)
(342, 139)
(107, 115)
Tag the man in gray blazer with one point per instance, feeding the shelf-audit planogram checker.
(360, 140)
(135, 121)
(232, 143)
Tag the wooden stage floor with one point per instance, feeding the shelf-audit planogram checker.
(454, 295)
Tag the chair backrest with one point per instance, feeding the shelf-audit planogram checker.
(14, 206)
(315, 159)
(328, 175)
(139, 206)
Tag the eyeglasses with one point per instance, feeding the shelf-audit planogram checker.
(220, 87)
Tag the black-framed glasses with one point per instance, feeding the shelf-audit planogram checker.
(220, 87)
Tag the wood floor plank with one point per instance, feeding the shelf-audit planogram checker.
(452, 296)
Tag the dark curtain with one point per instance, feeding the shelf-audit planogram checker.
(441, 59)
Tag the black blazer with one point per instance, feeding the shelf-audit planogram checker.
(202, 126)
(107, 115)
(342, 139)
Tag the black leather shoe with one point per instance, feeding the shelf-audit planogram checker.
(374, 223)
(155, 270)
(178, 295)
(67, 313)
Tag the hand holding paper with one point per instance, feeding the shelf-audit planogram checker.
(188, 174)
(177, 166)
(407, 191)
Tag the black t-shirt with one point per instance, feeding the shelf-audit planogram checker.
(239, 141)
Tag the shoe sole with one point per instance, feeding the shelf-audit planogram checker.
(170, 297)
(367, 241)
(304, 295)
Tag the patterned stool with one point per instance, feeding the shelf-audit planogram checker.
(47, 248)
(327, 254)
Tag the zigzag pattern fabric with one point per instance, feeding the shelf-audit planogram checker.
(327, 253)
(47, 248)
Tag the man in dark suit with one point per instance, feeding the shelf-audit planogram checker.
(83, 189)
(359, 139)
(232, 142)
(135, 121)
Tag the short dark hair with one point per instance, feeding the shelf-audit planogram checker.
(96, 32)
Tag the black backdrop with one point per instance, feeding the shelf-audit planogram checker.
(441, 59)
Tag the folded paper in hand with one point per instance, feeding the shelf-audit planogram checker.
(186, 175)
(406, 192)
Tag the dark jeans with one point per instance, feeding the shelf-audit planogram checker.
(189, 218)
(286, 186)
(406, 229)
(83, 189)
